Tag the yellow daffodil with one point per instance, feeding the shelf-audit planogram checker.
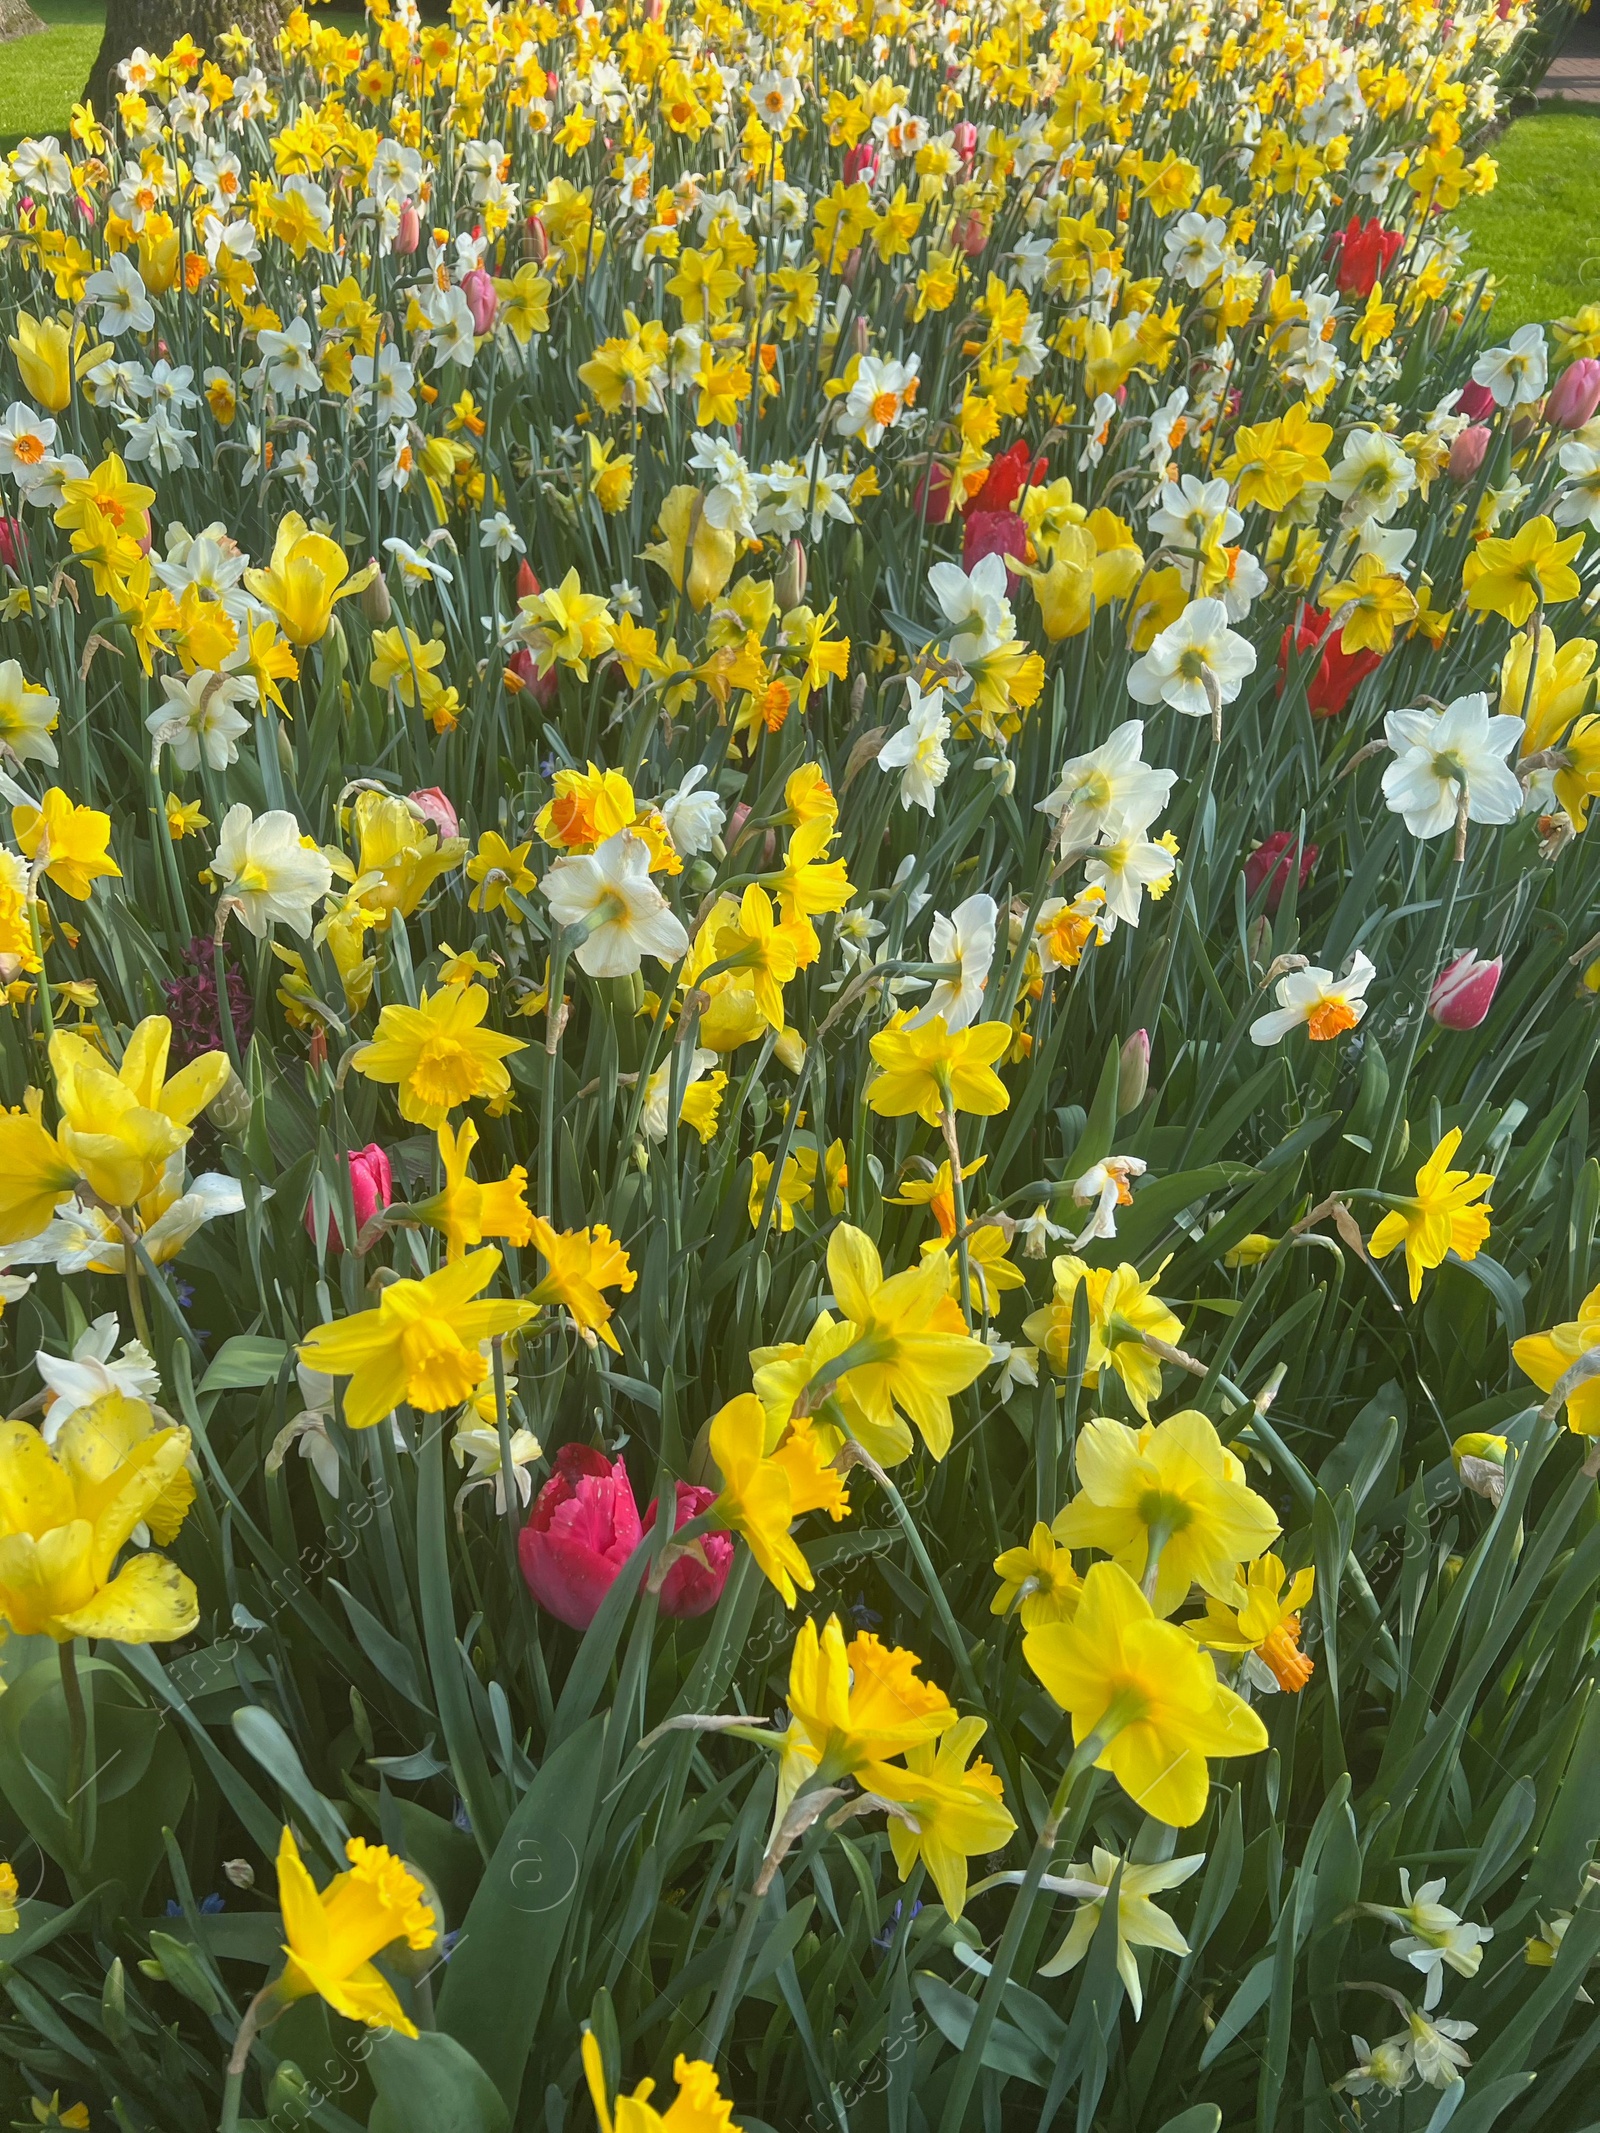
(930, 1070)
(307, 574)
(1372, 603)
(1262, 1615)
(331, 1935)
(497, 870)
(1167, 1499)
(580, 1264)
(851, 1705)
(1122, 1311)
(1444, 1217)
(421, 1344)
(1038, 1580)
(1533, 568)
(1546, 1358)
(467, 1212)
(955, 1809)
(908, 1344)
(438, 1054)
(764, 950)
(9, 1891)
(66, 1514)
(121, 1126)
(763, 1494)
(698, 2107)
(1148, 1691)
(72, 842)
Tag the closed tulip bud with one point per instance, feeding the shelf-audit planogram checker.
(536, 239)
(437, 810)
(1133, 1072)
(371, 1188)
(229, 1109)
(971, 233)
(482, 302)
(375, 602)
(527, 580)
(1466, 454)
(861, 162)
(409, 234)
(965, 142)
(1463, 991)
(790, 583)
(1575, 396)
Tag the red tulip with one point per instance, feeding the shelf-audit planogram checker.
(1466, 454)
(1338, 673)
(371, 1187)
(1464, 991)
(692, 1586)
(527, 582)
(1474, 401)
(583, 1527)
(993, 533)
(861, 162)
(1006, 479)
(1268, 866)
(1574, 396)
(11, 543)
(1366, 252)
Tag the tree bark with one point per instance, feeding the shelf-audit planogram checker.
(17, 19)
(156, 25)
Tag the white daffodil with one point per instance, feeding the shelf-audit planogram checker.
(497, 534)
(1195, 513)
(95, 1368)
(1388, 2065)
(1194, 247)
(1124, 867)
(199, 719)
(27, 717)
(481, 1448)
(1578, 501)
(975, 606)
(119, 290)
(1014, 1365)
(917, 750)
(1112, 788)
(694, 818)
(609, 891)
(1441, 755)
(1517, 373)
(1196, 665)
(880, 395)
(291, 370)
(1373, 478)
(1433, 1936)
(27, 442)
(1106, 1184)
(273, 873)
(1326, 1005)
(1436, 2049)
(1140, 1923)
(416, 566)
(965, 943)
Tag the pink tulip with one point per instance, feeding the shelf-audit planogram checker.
(965, 142)
(1463, 991)
(409, 235)
(971, 233)
(861, 162)
(583, 1527)
(11, 543)
(693, 1586)
(536, 239)
(437, 810)
(1575, 395)
(1466, 454)
(994, 533)
(1268, 866)
(371, 1187)
(482, 302)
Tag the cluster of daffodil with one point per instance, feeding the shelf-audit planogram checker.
(803, 756)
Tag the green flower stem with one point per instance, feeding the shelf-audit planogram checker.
(77, 1747)
(264, 2008)
(1071, 1794)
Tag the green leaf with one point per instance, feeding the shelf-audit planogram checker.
(244, 1364)
(432, 2084)
(512, 1934)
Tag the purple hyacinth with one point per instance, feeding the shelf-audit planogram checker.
(192, 1003)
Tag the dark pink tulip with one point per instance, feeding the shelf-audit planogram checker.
(371, 1187)
(1475, 401)
(583, 1527)
(1464, 991)
(693, 1586)
(861, 162)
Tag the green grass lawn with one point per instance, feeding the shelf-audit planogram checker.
(42, 77)
(1539, 230)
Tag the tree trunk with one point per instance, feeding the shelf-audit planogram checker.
(156, 25)
(17, 19)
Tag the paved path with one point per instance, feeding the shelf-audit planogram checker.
(1574, 78)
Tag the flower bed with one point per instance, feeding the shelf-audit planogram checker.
(829, 765)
